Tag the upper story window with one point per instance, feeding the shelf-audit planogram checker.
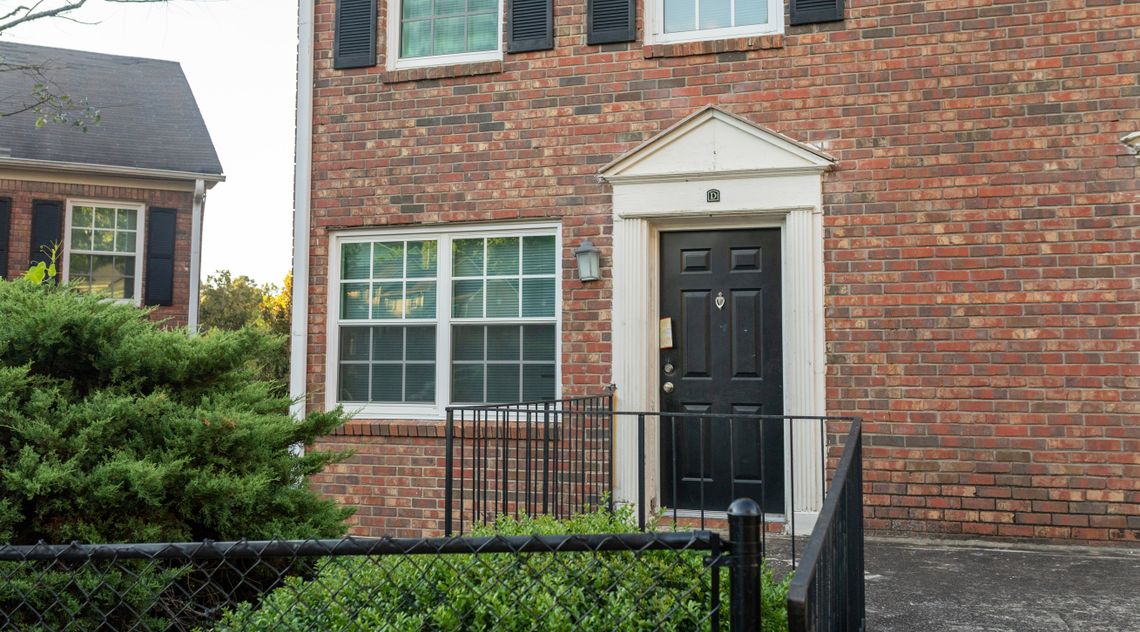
(693, 20)
(103, 249)
(439, 32)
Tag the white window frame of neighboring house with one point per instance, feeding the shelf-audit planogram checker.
(395, 62)
(140, 241)
(443, 321)
(655, 21)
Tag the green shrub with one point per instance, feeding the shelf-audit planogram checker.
(113, 429)
(658, 590)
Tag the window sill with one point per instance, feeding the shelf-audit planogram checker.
(443, 72)
(388, 428)
(434, 428)
(712, 47)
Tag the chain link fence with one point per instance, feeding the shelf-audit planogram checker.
(624, 581)
(640, 581)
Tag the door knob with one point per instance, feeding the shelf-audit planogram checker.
(668, 387)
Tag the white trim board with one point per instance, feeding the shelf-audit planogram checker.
(302, 192)
(710, 150)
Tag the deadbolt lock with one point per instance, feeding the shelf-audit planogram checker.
(668, 387)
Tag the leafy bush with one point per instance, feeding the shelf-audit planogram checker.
(125, 597)
(658, 590)
(113, 429)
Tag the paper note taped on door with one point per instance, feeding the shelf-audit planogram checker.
(666, 333)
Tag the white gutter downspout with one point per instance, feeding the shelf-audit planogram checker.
(302, 189)
(196, 212)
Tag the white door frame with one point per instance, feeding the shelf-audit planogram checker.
(647, 204)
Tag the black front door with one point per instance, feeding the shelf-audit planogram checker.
(720, 291)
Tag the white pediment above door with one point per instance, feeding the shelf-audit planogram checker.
(715, 143)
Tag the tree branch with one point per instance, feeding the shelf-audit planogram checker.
(32, 14)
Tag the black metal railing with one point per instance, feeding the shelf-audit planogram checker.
(557, 458)
(531, 458)
(827, 591)
(659, 581)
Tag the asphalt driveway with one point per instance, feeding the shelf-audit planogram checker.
(936, 585)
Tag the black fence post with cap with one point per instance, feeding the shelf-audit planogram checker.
(744, 524)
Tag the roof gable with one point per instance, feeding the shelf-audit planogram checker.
(149, 118)
(712, 141)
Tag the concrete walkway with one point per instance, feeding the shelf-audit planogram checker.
(939, 585)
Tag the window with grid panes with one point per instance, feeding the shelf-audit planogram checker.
(391, 286)
(499, 316)
(430, 28)
(690, 20)
(104, 243)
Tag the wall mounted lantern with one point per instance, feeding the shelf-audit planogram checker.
(589, 261)
(1132, 141)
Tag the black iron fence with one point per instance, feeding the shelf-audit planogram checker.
(557, 458)
(532, 458)
(827, 591)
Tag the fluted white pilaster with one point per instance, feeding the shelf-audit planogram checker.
(634, 352)
(803, 362)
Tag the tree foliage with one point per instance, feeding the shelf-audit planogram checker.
(231, 303)
(115, 429)
(276, 309)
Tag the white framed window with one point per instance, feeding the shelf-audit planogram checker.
(103, 248)
(443, 32)
(423, 318)
(673, 21)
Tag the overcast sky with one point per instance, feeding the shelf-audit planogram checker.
(240, 59)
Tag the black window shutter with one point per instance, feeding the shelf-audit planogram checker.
(46, 229)
(159, 270)
(5, 231)
(355, 43)
(530, 25)
(812, 11)
(609, 21)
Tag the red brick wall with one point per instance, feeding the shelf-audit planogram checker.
(981, 227)
(23, 192)
(395, 479)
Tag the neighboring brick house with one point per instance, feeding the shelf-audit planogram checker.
(937, 189)
(124, 197)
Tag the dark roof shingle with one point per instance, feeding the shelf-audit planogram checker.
(149, 117)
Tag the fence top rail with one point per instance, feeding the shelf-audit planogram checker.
(801, 581)
(356, 546)
(537, 404)
(524, 408)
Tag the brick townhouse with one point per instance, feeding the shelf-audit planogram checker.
(921, 212)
